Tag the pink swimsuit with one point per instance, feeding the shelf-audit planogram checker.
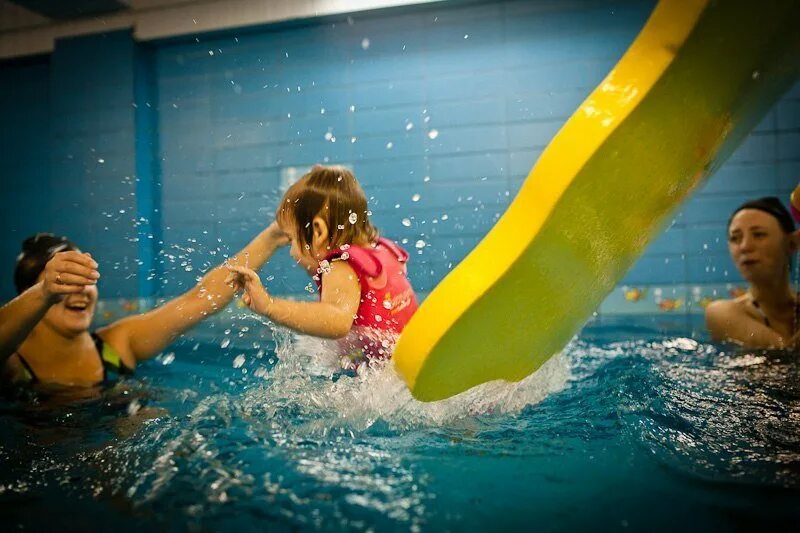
(387, 298)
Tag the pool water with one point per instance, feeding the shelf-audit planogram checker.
(638, 424)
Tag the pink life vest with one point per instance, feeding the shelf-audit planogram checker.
(387, 298)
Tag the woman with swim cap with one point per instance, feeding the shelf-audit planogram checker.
(44, 331)
(761, 241)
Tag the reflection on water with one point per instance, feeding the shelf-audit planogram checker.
(653, 430)
(721, 416)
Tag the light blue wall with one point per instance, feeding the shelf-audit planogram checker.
(210, 125)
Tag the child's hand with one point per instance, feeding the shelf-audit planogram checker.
(255, 295)
(276, 235)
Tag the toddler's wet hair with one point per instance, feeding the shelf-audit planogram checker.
(333, 194)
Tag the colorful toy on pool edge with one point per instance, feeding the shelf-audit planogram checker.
(794, 203)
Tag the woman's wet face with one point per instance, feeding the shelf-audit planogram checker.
(758, 245)
(74, 313)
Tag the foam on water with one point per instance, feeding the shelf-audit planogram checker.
(302, 381)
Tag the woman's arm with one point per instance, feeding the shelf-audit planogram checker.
(331, 317)
(143, 336)
(66, 273)
(727, 321)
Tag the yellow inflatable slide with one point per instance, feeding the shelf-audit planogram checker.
(698, 77)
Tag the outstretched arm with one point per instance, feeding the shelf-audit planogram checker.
(331, 317)
(143, 336)
(65, 273)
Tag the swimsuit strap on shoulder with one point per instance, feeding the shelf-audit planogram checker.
(760, 311)
(30, 375)
(109, 357)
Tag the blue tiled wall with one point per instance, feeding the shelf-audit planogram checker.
(24, 169)
(68, 161)
(453, 103)
(92, 153)
(495, 81)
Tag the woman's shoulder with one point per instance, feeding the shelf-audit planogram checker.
(13, 372)
(736, 319)
(729, 307)
(117, 336)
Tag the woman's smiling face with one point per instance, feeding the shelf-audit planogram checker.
(74, 313)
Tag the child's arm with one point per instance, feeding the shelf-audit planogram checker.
(331, 317)
(143, 336)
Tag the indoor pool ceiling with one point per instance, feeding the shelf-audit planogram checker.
(30, 27)
(60, 10)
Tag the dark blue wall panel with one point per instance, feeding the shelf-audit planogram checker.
(24, 170)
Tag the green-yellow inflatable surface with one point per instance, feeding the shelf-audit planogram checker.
(698, 77)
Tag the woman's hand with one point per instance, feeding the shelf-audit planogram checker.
(276, 236)
(68, 273)
(255, 295)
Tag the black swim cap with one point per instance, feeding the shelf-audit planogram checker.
(772, 206)
(36, 252)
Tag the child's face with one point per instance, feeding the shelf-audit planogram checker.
(307, 258)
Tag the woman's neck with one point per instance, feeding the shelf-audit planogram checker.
(44, 339)
(775, 294)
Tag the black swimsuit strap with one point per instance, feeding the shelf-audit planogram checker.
(766, 319)
(760, 311)
(98, 344)
(34, 377)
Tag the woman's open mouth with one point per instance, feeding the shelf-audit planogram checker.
(77, 307)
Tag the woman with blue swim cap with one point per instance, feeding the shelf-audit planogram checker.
(44, 331)
(761, 240)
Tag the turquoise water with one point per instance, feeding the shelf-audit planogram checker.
(638, 424)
